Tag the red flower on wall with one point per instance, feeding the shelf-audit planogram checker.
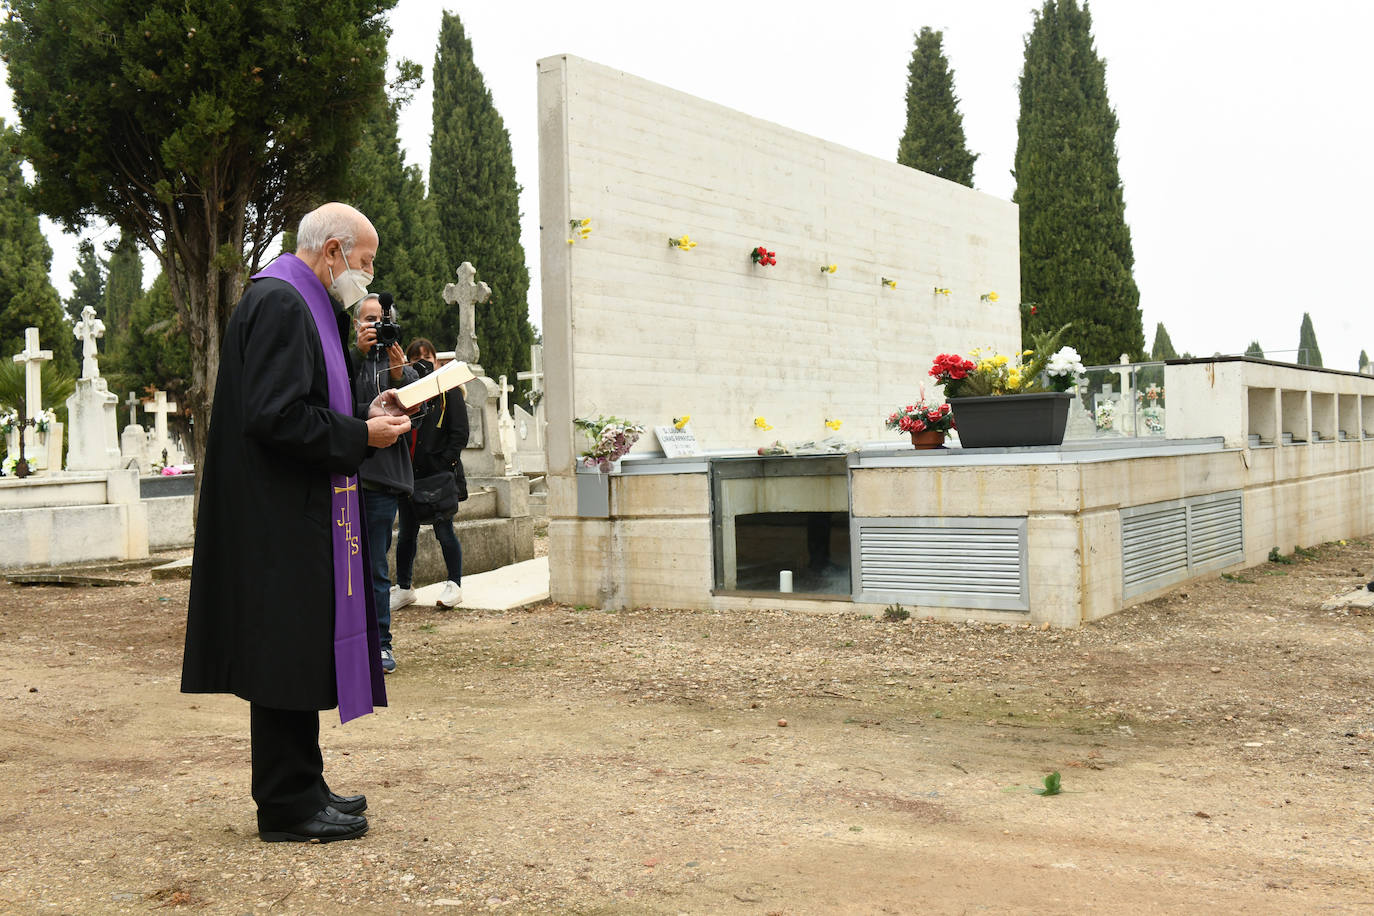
(762, 255)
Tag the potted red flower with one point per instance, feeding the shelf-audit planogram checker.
(927, 422)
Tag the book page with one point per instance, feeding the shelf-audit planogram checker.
(431, 386)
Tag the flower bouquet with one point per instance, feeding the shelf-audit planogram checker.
(922, 416)
(612, 438)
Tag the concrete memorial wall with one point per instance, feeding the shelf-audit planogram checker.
(636, 328)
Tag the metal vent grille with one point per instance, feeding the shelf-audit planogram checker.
(1169, 542)
(943, 562)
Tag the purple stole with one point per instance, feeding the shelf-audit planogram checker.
(355, 642)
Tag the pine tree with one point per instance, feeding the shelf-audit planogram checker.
(1164, 347)
(1076, 255)
(1309, 354)
(156, 352)
(1255, 350)
(27, 296)
(88, 288)
(123, 289)
(934, 138)
(472, 184)
(410, 258)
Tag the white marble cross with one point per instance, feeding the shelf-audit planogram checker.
(160, 409)
(32, 358)
(467, 295)
(131, 402)
(505, 424)
(1125, 375)
(536, 374)
(87, 330)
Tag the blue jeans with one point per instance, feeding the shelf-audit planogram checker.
(407, 531)
(381, 513)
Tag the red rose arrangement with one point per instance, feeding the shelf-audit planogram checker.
(950, 367)
(763, 256)
(922, 416)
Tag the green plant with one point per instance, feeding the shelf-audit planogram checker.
(1051, 785)
(1236, 577)
(1304, 552)
(1276, 557)
(895, 612)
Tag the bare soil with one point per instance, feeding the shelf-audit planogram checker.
(1214, 747)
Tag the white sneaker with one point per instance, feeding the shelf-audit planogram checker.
(400, 597)
(450, 596)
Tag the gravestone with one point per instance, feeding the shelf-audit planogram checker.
(42, 449)
(93, 443)
(133, 439)
(467, 294)
(505, 425)
(160, 442)
(530, 427)
(1080, 425)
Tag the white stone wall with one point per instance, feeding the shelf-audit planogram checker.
(635, 328)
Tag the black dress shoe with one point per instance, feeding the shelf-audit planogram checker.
(348, 804)
(324, 826)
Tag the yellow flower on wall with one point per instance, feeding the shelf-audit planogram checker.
(989, 297)
(680, 422)
(581, 228)
(829, 268)
(942, 291)
(833, 425)
(890, 284)
(682, 243)
(761, 423)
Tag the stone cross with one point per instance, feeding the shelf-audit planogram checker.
(87, 330)
(536, 374)
(505, 425)
(1125, 374)
(132, 402)
(32, 358)
(467, 295)
(159, 410)
(506, 390)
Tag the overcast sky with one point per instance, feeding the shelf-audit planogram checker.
(1245, 127)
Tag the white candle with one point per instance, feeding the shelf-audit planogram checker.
(785, 580)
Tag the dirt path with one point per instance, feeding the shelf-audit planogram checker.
(1214, 747)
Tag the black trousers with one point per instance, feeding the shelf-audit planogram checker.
(288, 769)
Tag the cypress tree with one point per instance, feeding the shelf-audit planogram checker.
(1254, 350)
(472, 184)
(1164, 347)
(410, 259)
(1364, 361)
(1309, 354)
(88, 288)
(27, 296)
(934, 137)
(1076, 255)
(123, 289)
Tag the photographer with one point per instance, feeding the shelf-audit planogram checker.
(386, 476)
(436, 447)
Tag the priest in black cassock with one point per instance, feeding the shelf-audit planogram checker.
(281, 609)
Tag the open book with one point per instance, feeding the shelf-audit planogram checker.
(451, 375)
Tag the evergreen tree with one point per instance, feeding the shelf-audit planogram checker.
(1076, 255)
(156, 352)
(472, 184)
(410, 258)
(202, 130)
(88, 288)
(934, 138)
(1164, 347)
(1255, 350)
(27, 296)
(1364, 361)
(123, 289)
(1309, 354)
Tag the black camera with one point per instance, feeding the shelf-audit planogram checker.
(388, 328)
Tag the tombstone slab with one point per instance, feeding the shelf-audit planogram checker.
(92, 440)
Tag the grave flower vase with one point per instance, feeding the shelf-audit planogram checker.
(1009, 420)
(928, 438)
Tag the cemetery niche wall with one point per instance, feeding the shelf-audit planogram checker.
(652, 331)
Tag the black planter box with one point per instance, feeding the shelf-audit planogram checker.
(1008, 420)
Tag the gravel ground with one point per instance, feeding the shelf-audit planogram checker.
(1214, 747)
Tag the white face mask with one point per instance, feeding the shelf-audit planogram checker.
(349, 287)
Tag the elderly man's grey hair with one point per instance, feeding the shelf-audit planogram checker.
(331, 221)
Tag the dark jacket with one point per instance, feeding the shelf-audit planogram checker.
(438, 441)
(386, 467)
(260, 622)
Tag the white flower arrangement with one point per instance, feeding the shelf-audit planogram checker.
(45, 420)
(612, 438)
(8, 420)
(1063, 368)
(1105, 415)
(8, 465)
